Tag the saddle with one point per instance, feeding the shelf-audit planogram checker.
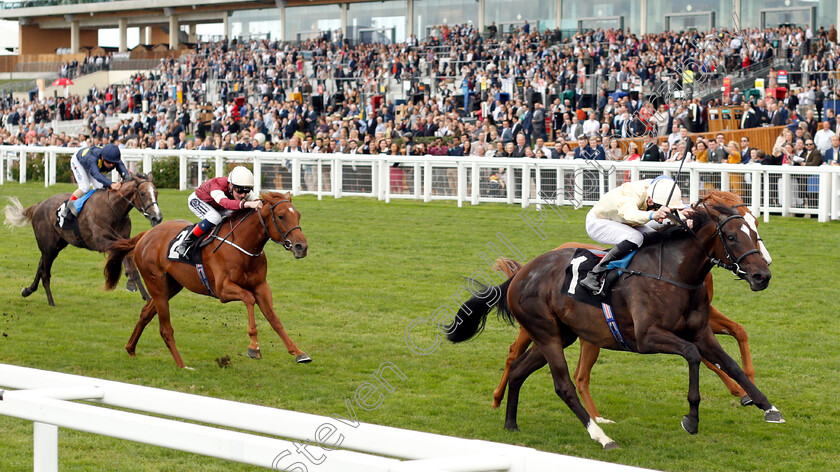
(582, 262)
(193, 256)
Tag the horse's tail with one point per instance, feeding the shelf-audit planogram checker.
(472, 315)
(16, 215)
(507, 266)
(116, 253)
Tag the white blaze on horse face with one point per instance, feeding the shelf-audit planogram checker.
(750, 219)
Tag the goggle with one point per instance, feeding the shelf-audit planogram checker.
(238, 189)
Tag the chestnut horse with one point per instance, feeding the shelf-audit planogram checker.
(234, 262)
(103, 220)
(667, 314)
(719, 323)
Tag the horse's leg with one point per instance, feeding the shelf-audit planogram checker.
(657, 340)
(720, 324)
(161, 287)
(711, 350)
(134, 282)
(516, 349)
(552, 349)
(146, 314)
(254, 348)
(588, 356)
(27, 291)
(264, 300)
(166, 331)
(46, 270)
(522, 367)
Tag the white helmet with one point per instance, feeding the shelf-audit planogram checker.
(659, 190)
(241, 177)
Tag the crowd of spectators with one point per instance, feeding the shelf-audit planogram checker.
(194, 102)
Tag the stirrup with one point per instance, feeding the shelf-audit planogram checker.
(183, 250)
(599, 287)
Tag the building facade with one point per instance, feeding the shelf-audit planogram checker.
(46, 26)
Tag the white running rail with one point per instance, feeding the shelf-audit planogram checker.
(49, 399)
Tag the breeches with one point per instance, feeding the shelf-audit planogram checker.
(205, 211)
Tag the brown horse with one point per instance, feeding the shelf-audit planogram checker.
(235, 267)
(668, 313)
(103, 220)
(589, 352)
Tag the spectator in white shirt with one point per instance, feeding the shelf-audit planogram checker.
(822, 138)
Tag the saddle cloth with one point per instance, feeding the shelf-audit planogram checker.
(582, 262)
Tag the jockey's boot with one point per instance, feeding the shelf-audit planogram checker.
(183, 249)
(619, 251)
(69, 208)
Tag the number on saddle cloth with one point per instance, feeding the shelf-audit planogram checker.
(582, 262)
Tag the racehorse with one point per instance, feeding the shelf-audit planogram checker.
(668, 313)
(103, 220)
(719, 323)
(235, 268)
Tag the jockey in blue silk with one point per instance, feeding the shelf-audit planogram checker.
(625, 215)
(88, 166)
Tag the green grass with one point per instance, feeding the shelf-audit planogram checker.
(372, 268)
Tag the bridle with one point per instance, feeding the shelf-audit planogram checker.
(285, 243)
(130, 201)
(734, 263)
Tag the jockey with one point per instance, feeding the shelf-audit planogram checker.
(218, 198)
(625, 215)
(88, 166)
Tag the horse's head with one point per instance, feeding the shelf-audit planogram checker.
(732, 244)
(282, 222)
(142, 193)
(732, 200)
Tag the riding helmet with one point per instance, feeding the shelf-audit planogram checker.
(111, 153)
(241, 176)
(660, 189)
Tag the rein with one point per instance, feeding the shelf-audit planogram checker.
(131, 202)
(286, 243)
(733, 266)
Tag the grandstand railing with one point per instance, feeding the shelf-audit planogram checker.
(785, 190)
(51, 400)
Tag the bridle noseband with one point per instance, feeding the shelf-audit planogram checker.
(142, 210)
(734, 263)
(285, 243)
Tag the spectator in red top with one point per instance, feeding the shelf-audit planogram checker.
(218, 198)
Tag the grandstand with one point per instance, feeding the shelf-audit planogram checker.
(518, 89)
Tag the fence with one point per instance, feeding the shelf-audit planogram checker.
(786, 190)
(49, 399)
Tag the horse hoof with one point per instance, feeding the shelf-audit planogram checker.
(131, 286)
(689, 424)
(514, 428)
(602, 420)
(302, 358)
(495, 404)
(773, 416)
(25, 292)
(254, 353)
(611, 445)
(746, 400)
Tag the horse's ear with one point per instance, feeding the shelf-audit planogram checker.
(288, 196)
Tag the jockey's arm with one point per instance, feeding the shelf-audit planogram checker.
(121, 169)
(222, 199)
(92, 167)
(629, 211)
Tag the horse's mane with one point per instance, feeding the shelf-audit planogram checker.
(139, 176)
